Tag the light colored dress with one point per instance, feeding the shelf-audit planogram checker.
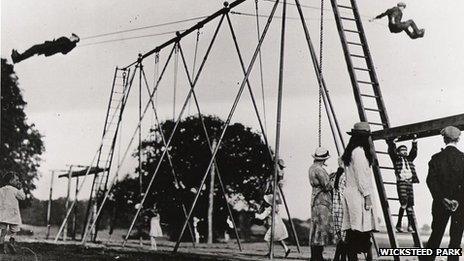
(358, 185)
(321, 229)
(155, 228)
(280, 231)
(9, 205)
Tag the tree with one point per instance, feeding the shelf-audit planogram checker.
(243, 163)
(21, 143)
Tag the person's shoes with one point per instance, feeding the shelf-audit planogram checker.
(422, 32)
(399, 229)
(11, 246)
(410, 229)
(15, 56)
(287, 252)
(268, 255)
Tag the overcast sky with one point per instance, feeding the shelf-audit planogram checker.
(67, 95)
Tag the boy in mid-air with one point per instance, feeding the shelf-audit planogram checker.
(405, 172)
(395, 14)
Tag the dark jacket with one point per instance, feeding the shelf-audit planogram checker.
(61, 45)
(394, 18)
(398, 163)
(446, 174)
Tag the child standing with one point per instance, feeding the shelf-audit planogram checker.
(155, 227)
(405, 172)
(10, 217)
(280, 231)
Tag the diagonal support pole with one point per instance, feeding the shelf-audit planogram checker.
(262, 127)
(130, 144)
(278, 123)
(208, 140)
(229, 118)
(174, 175)
(179, 117)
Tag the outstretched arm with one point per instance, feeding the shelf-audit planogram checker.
(392, 150)
(380, 15)
(413, 153)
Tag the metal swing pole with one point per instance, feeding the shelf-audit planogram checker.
(234, 106)
(175, 127)
(129, 145)
(278, 123)
(263, 131)
(320, 78)
(174, 175)
(208, 140)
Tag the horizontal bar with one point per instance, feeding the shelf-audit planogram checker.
(390, 168)
(197, 26)
(358, 56)
(381, 152)
(362, 69)
(389, 183)
(347, 18)
(421, 129)
(351, 31)
(376, 123)
(370, 96)
(345, 6)
(353, 43)
(370, 109)
(364, 82)
(396, 199)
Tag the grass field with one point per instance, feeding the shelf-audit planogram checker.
(36, 247)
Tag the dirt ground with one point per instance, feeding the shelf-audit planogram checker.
(36, 247)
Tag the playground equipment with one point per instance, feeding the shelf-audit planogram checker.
(366, 90)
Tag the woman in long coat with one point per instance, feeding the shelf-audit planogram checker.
(321, 230)
(358, 216)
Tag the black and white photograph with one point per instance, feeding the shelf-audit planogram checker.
(232, 130)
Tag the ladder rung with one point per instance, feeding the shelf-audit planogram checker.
(345, 6)
(390, 168)
(351, 31)
(370, 109)
(347, 18)
(361, 69)
(394, 215)
(353, 43)
(381, 152)
(370, 96)
(358, 56)
(389, 183)
(397, 199)
(376, 123)
(364, 82)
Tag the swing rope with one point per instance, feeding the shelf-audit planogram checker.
(321, 44)
(258, 30)
(155, 75)
(194, 62)
(176, 70)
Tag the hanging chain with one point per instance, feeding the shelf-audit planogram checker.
(194, 64)
(176, 68)
(155, 76)
(261, 65)
(321, 44)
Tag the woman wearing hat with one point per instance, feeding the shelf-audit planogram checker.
(321, 230)
(280, 231)
(358, 215)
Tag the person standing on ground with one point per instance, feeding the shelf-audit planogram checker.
(321, 230)
(155, 227)
(280, 231)
(359, 220)
(10, 216)
(395, 14)
(406, 176)
(446, 184)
